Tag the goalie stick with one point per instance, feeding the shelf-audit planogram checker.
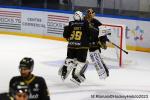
(114, 43)
(117, 46)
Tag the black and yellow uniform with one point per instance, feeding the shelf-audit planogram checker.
(96, 43)
(94, 37)
(77, 35)
(37, 87)
(5, 96)
(93, 24)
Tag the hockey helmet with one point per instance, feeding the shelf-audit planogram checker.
(90, 11)
(20, 87)
(78, 16)
(27, 62)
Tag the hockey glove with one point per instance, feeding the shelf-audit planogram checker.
(102, 41)
(66, 33)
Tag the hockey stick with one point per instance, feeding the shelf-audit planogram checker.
(117, 46)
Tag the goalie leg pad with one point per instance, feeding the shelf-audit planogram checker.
(83, 70)
(75, 78)
(101, 68)
(66, 68)
(79, 71)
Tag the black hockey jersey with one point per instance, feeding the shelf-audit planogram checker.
(96, 23)
(37, 86)
(94, 34)
(5, 96)
(78, 34)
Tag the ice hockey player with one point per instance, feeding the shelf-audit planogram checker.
(96, 44)
(5, 96)
(37, 85)
(77, 35)
(20, 92)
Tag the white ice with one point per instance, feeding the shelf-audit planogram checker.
(132, 79)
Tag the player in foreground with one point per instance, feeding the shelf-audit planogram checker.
(37, 85)
(20, 92)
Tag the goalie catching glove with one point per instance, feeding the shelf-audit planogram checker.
(102, 41)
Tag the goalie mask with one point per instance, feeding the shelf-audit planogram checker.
(90, 13)
(78, 16)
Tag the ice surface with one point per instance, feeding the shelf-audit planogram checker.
(133, 79)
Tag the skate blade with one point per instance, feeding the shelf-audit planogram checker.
(82, 79)
(62, 78)
(76, 82)
(103, 76)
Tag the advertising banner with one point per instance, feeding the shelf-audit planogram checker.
(47, 23)
(10, 19)
(56, 23)
(34, 22)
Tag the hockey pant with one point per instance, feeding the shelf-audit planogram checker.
(65, 70)
(100, 66)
